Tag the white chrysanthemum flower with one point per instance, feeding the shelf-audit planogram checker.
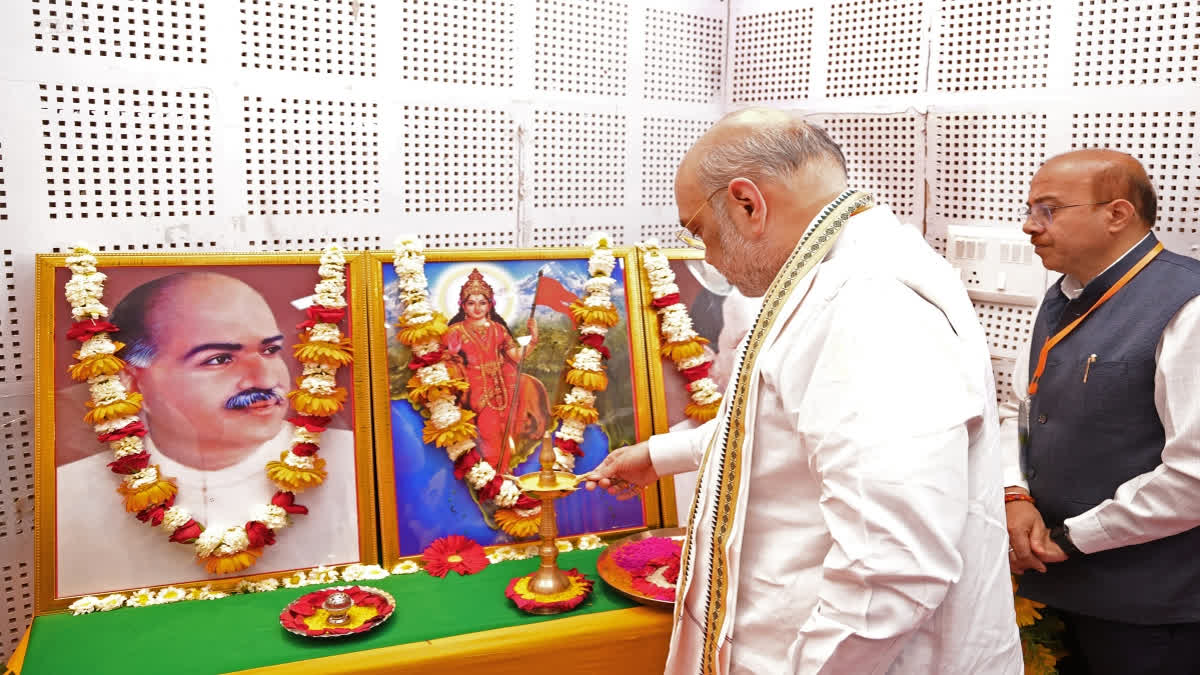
(458, 449)
(174, 518)
(130, 445)
(649, 247)
(93, 310)
(322, 575)
(507, 553)
(142, 598)
(443, 413)
(100, 343)
(419, 308)
(580, 396)
(587, 359)
(598, 240)
(599, 284)
(140, 479)
(171, 594)
(706, 397)
(206, 594)
(570, 433)
(663, 290)
(233, 540)
(660, 275)
(330, 271)
(299, 461)
(598, 300)
(331, 300)
(481, 474)
(406, 567)
(492, 558)
(268, 585)
(373, 573)
(334, 286)
(208, 541)
(334, 255)
(593, 329)
(530, 551)
(564, 546)
(295, 579)
(602, 262)
(427, 347)
(414, 282)
(325, 332)
(302, 435)
(247, 586)
(684, 364)
(352, 572)
(111, 602)
(434, 374)
(564, 461)
(81, 260)
(321, 383)
(409, 265)
(85, 605)
(508, 495)
(274, 517)
(590, 542)
(106, 390)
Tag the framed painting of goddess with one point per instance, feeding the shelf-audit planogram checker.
(482, 353)
(189, 432)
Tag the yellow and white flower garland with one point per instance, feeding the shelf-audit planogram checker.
(114, 410)
(680, 342)
(450, 426)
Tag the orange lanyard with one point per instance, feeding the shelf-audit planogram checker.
(1041, 366)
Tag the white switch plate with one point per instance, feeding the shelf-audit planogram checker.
(996, 264)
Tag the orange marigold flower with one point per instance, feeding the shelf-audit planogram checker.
(422, 332)
(516, 525)
(587, 379)
(130, 405)
(228, 564)
(96, 364)
(573, 411)
(334, 355)
(690, 349)
(141, 498)
(460, 431)
(295, 479)
(601, 316)
(318, 405)
(702, 413)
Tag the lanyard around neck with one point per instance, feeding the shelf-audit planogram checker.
(1058, 337)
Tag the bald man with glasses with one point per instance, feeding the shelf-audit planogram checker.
(1103, 474)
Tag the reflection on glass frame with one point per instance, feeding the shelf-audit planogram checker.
(488, 297)
(722, 320)
(209, 346)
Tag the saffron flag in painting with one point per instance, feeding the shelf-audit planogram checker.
(553, 295)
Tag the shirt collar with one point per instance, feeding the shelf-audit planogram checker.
(1070, 286)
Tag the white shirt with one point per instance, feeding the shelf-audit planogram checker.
(102, 548)
(874, 537)
(1155, 504)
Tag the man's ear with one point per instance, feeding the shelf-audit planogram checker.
(748, 207)
(1122, 216)
(129, 377)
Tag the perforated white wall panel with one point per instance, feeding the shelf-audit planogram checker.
(581, 46)
(328, 37)
(772, 55)
(465, 42)
(885, 154)
(984, 44)
(876, 47)
(1118, 42)
(123, 29)
(684, 55)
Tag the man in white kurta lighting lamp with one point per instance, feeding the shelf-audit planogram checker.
(207, 354)
(847, 517)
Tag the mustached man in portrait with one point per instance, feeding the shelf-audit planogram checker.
(208, 355)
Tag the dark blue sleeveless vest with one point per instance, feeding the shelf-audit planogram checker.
(1087, 438)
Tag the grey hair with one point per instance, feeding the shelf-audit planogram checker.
(132, 316)
(774, 151)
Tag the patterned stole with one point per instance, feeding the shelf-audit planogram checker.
(726, 452)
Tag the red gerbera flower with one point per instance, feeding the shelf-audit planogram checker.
(454, 553)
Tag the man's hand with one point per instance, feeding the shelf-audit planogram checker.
(1024, 526)
(624, 472)
(1045, 548)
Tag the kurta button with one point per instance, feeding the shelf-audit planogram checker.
(1042, 419)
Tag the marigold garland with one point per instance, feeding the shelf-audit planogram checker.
(680, 342)
(150, 495)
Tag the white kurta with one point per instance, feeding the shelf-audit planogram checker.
(102, 548)
(874, 537)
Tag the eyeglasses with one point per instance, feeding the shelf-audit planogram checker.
(1043, 214)
(685, 233)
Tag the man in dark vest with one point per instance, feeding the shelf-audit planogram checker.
(1103, 482)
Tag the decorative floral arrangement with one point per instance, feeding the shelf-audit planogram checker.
(454, 553)
(579, 589)
(113, 412)
(301, 578)
(680, 342)
(652, 564)
(306, 615)
(1041, 635)
(450, 426)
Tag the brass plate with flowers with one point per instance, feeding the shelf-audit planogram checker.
(644, 567)
(337, 611)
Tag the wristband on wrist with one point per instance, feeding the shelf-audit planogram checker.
(1018, 497)
(1061, 535)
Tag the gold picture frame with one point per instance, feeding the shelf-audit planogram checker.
(67, 560)
(667, 387)
(425, 475)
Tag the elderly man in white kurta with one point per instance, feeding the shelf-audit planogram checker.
(846, 519)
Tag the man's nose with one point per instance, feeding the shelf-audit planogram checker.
(256, 373)
(1030, 227)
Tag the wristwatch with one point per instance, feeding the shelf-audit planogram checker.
(1061, 535)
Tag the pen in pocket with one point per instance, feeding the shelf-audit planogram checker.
(1088, 366)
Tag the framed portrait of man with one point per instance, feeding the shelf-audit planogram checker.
(208, 349)
(719, 314)
(508, 336)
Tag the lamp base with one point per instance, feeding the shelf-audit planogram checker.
(521, 591)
